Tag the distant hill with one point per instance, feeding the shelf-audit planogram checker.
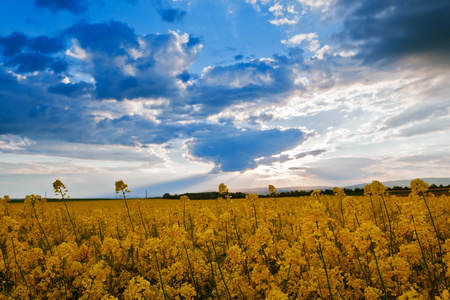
(406, 182)
(389, 184)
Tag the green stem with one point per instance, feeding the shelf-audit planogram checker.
(155, 227)
(71, 221)
(191, 272)
(243, 250)
(438, 240)
(322, 258)
(378, 270)
(212, 274)
(20, 269)
(220, 271)
(366, 277)
(342, 211)
(142, 220)
(382, 217)
(391, 244)
(90, 288)
(184, 216)
(128, 210)
(42, 230)
(64, 276)
(256, 220)
(160, 277)
(422, 251)
(100, 230)
(226, 235)
(287, 277)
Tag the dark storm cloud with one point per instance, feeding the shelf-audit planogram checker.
(167, 12)
(72, 89)
(47, 45)
(389, 30)
(220, 87)
(119, 74)
(185, 76)
(28, 54)
(109, 38)
(231, 149)
(40, 106)
(76, 7)
(13, 44)
(123, 65)
(172, 14)
(30, 62)
(29, 111)
(17, 42)
(27, 108)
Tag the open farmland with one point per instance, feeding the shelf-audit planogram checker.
(375, 246)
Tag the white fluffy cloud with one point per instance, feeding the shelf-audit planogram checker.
(340, 98)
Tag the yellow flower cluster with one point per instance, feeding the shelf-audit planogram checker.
(272, 190)
(223, 189)
(121, 187)
(60, 188)
(419, 186)
(376, 246)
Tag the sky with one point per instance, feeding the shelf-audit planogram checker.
(181, 95)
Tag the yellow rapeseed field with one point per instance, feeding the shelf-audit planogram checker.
(375, 246)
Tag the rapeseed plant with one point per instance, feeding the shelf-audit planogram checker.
(60, 189)
(4, 202)
(122, 187)
(375, 246)
(272, 190)
(33, 200)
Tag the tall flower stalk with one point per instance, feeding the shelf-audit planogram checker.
(273, 192)
(322, 259)
(368, 191)
(60, 189)
(223, 190)
(122, 187)
(5, 203)
(34, 199)
(419, 187)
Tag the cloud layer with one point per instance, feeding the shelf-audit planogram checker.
(345, 83)
(108, 75)
(388, 31)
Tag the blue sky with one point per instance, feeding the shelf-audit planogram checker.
(177, 96)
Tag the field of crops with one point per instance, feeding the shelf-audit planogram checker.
(375, 246)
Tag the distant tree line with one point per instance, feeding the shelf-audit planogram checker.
(296, 193)
(433, 186)
(204, 195)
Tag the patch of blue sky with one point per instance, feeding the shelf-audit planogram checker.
(162, 84)
(23, 16)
